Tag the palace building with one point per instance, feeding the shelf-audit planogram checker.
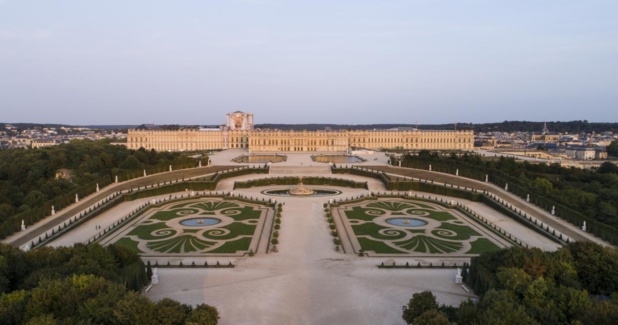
(240, 133)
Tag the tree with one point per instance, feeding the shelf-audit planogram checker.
(596, 266)
(607, 167)
(171, 312)
(612, 149)
(468, 313)
(418, 304)
(134, 308)
(203, 314)
(514, 279)
(500, 308)
(431, 317)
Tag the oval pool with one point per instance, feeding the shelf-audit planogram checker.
(200, 222)
(406, 222)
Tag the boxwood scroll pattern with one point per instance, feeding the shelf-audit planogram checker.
(440, 232)
(163, 232)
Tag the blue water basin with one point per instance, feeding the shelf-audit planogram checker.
(200, 222)
(406, 222)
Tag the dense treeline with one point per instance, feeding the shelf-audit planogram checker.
(84, 285)
(577, 284)
(28, 177)
(506, 126)
(560, 127)
(577, 194)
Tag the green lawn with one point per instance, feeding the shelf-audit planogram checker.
(371, 229)
(128, 243)
(447, 236)
(241, 244)
(179, 239)
(461, 232)
(377, 246)
(145, 232)
(482, 245)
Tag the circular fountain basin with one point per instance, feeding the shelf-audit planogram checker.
(200, 222)
(406, 222)
(316, 192)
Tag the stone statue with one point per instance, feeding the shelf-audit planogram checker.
(76, 198)
(199, 163)
(457, 172)
(528, 198)
(458, 277)
(506, 187)
(144, 172)
(97, 187)
(486, 178)
(429, 167)
(155, 277)
(584, 226)
(116, 180)
(170, 168)
(553, 210)
(23, 225)
(53, 211)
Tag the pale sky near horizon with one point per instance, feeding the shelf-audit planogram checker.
(345, 62)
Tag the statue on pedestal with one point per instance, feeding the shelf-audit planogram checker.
(53, 211)
(23, 225)
(458, 277)
(584, 226)
(76, 198)
(155, 277)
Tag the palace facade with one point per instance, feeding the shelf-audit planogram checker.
(239, 133)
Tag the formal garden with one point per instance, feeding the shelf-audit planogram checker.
(392, 226)
(198, 227)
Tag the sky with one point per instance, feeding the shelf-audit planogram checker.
(294, 62)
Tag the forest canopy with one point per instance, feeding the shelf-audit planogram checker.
(31, 178)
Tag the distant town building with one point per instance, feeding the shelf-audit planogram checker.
(586, 153)
(43, 143)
